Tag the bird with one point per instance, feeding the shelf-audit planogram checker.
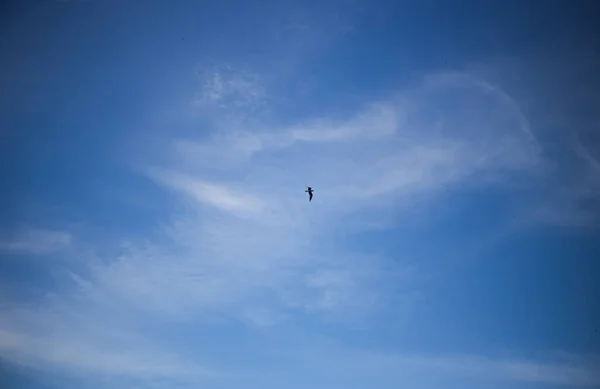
(310, 193)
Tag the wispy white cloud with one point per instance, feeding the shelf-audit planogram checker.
(442, 132)
(389, 153)
(81, 336)
(212, 194)
(375, 122)
(574, 199)
(556, 91)
(512, 370)
(557, 373)
(271, 259)
(413, 369)
(250, 248)
(241, 249)
(225, 87)
(35, 241)
(583, 147)
(48, 353)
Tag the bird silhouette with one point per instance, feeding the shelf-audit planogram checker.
(310, 193)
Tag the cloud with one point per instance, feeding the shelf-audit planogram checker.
(246, 245)
(212, 194)
(574, 199)
(35, 241)
(377, 121)
(241, 257)
(415, 369)
(243, 245)
(225, 87)
(513, 370)
(80, 336)
(52, 352)
(450, 130)
(556, 92)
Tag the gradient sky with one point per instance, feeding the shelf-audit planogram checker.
(156, 232)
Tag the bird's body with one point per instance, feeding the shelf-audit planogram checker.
(310, 193)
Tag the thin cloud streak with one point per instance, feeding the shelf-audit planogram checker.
(568, 370)
(205, 192)
(80, 335)
(35, 241)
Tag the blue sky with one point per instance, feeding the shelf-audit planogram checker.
(156, 233)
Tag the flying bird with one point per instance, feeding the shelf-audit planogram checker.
(310, 193)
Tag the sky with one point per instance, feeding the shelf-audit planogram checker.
(156, 232)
